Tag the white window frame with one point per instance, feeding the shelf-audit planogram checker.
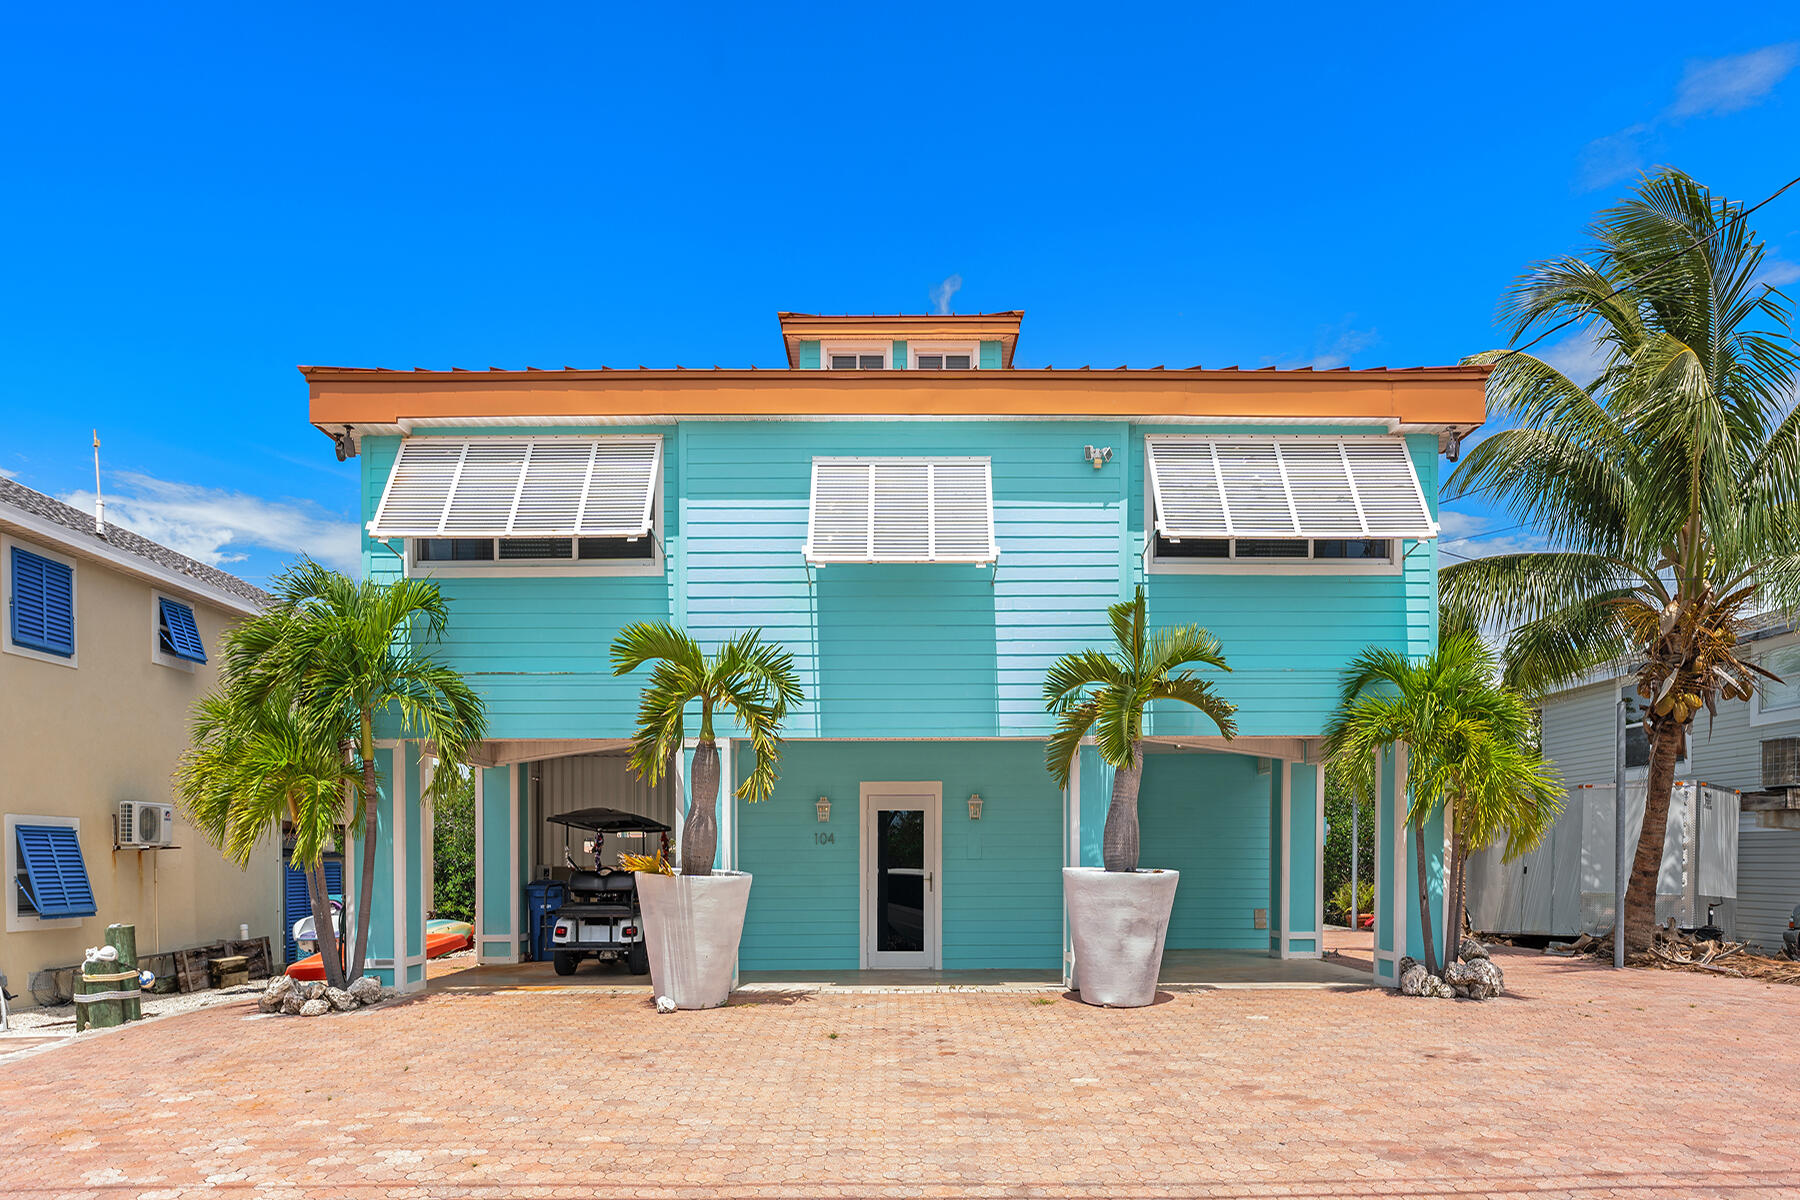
(7, 542)
(1393, 564)
(931, 793)
(972, 349)
(1683, 765)
(158, 655)
(1778, 716)
(18, 921)
(807, 549)
(827, 349)
(541, 568)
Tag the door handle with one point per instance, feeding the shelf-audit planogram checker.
(928, 886)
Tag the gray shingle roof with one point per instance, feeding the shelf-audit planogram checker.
(80, 526)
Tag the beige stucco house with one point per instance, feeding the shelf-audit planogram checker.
(106, 641)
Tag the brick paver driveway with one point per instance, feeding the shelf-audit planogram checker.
(1583, 1084)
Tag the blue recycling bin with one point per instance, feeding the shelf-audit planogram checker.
(542, 898)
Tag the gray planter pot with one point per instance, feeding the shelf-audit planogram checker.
(1118, 922)
(691, 929)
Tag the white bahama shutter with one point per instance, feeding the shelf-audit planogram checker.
(521, 487)
(901, 510)
(1298, 487)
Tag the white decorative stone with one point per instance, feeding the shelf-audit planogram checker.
(1415, 982)
(290, 1004)
(1469, 948)
(1478, 979)
(664, 1004)
(1118, 921)
(315, 1008)
(366, 989)
(339, 999)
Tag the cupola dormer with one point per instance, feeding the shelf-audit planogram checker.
(922, 342)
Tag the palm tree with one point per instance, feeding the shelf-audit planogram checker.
(254, 764)
(752, 681)
(1667, 487)
(1107, 693)
(349, 652)
(1469, 748)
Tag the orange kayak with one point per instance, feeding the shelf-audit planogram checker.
(436, 946)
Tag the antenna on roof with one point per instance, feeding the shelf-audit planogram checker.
(99, 503)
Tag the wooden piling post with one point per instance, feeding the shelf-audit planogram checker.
(123, 938)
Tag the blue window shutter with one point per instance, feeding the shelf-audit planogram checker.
(43, 604)
(809, 356)
(901, 360)
(56, 880)
(180, 636)
(297, 903)
(990, 356)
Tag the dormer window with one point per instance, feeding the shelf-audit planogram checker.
(936, 356)
(856, 358)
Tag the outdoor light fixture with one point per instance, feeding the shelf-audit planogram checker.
(1098, 455)
(824, 808)
(975, 806)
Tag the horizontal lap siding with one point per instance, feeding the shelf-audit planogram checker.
(1001, 883)
(1581, 734)
(536, 650)
(1288, 638)
(915, 649)
(1208, 816)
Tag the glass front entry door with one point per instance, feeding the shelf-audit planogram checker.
(900, 878)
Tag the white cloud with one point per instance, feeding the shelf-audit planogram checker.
(1333, 345)
(5, 473)
(1715, 86)
(1709, 87)
(1464, 536)
(1777, 273)
(1577, 356)
(217, 526)
(942, 294)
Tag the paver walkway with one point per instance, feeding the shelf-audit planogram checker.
(1583, 1083)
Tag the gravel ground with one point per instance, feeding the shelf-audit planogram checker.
(60, 1018)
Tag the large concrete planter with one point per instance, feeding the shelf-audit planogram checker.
(1118, 922)
(691, 929)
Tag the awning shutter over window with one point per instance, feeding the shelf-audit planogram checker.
(54, 882)
(179, 634)
(1250, 487)
(521, 487)
(901, 510)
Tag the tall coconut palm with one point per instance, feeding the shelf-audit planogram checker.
(1667, 487)
(350, 653)
(252, 765)
(1469, 749)
(1107, 693)
(746, 678)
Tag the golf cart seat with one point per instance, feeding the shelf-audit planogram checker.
(611, 881)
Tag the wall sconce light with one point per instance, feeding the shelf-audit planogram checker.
(824, 808)
(975, 807)
(1098, 455)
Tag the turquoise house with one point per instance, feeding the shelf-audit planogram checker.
(926, 527)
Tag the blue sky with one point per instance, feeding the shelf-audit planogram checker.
(198, 199)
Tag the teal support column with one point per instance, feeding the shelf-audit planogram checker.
(1277, 853)
(1399, 931)
(1302, 832)
(387, 906)
(496, 937)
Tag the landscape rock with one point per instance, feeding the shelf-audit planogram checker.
(274, 994)
(1469, 948)
(291, 1003)
(1415, 982)
(366, 990)
(315, 1008)
(312, 991)
(1478, 979)
(665, 1004)
(339, 999)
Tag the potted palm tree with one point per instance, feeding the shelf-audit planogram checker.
(1119, 915)
(693, 920)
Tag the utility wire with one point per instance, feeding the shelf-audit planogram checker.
(1588, 311)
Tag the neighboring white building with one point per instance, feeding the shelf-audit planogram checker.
(1750, 747)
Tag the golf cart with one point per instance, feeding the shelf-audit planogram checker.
(600, 919)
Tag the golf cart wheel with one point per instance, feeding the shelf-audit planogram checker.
(637, 959)
(566, 962)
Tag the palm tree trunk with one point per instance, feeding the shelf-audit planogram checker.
(1119, 840)
(1453, 898)
(365, 902)
(323, 929)
(1427, 934)
(1646, 864)
(700, 832)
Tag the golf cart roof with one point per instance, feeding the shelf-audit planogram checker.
(607, 820)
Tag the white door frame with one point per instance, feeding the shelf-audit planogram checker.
(929, 796)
